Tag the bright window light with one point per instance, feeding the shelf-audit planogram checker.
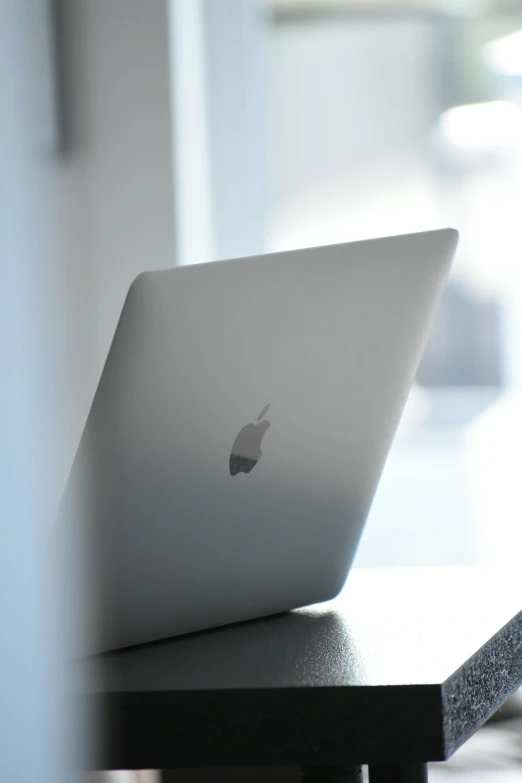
(483, 126)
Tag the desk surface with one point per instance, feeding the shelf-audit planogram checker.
(402, 667)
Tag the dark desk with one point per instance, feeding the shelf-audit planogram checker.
(402, 668)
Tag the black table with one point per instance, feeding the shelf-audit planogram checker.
(402, 668)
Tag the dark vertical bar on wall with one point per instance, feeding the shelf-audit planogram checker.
(57, 11)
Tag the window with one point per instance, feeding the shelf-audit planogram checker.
(346, 120)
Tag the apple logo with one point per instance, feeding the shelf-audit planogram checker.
(246, 450)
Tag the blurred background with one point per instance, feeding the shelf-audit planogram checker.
(198, 130)
(333, 121)
(144, 134)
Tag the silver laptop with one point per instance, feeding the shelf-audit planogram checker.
(239, 429)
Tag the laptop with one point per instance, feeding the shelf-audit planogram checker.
(239, 430)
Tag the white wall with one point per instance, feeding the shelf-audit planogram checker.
(115, 179)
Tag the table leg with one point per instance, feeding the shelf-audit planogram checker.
(398, 773)
(331, 774)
